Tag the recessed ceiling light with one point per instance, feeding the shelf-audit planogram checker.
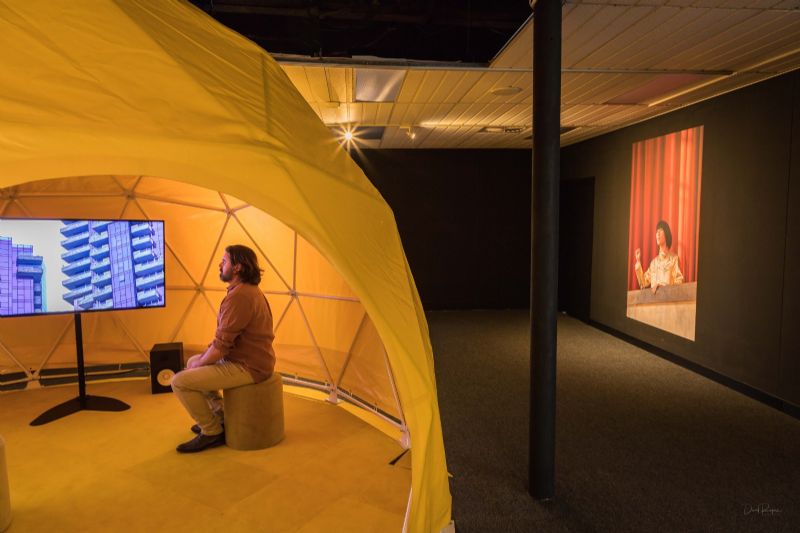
(361, 135)
(506, 91)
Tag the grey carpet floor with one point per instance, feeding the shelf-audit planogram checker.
(641, 444)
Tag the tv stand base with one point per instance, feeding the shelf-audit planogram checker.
(85, 403)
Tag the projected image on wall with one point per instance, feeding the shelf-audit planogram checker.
(664, 223)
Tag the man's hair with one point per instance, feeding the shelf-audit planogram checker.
(246, 258)
(667, 233)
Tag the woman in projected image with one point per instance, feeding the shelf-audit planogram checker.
(664, 268)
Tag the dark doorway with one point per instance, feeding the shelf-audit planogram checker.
(576, 224)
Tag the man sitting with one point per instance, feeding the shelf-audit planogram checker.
(240, 354)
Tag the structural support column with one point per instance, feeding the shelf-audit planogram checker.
(544, 243)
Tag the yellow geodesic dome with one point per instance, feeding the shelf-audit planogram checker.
(150, 109)
(323, 336)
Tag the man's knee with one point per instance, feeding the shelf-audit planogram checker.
(177, 381)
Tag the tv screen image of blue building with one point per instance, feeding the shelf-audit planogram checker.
(63, 266)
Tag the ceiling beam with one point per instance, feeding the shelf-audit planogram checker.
(442, 17)
(408, 64)
(597, 3)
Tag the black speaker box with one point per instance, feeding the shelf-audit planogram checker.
(166, 360)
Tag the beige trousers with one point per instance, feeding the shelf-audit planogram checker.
(198, 391)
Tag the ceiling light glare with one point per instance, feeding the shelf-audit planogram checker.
(508, 90)
(348, 136)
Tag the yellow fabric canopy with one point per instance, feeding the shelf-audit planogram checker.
(155, 105)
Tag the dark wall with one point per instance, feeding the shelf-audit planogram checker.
(790, 331)
(748, 289)
(464, 218)
(576, 216)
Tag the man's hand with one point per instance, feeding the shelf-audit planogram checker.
(637, 254)
(655, 287)
(194, 362)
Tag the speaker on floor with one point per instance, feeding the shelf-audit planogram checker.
(166, 360)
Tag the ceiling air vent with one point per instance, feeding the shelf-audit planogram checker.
(501, 129)
(506, 91)
(378, 85)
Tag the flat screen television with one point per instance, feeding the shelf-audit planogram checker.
(50, 266)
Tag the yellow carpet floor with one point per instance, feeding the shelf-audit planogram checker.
(111, 472)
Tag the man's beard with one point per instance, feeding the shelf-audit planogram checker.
(225, 278)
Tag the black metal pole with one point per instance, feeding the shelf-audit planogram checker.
(81, 368)
(544, 243)
(83, 402)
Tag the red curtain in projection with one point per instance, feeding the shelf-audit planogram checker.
(665, 185)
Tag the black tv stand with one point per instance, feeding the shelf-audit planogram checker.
(83, 402)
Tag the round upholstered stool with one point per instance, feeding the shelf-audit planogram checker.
(5, 497)
(254, 415)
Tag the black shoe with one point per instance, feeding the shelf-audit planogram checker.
(201, 442)
(196, 428)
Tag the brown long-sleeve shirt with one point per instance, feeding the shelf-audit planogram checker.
(244, 330)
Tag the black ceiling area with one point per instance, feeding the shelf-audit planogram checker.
(471, 31)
